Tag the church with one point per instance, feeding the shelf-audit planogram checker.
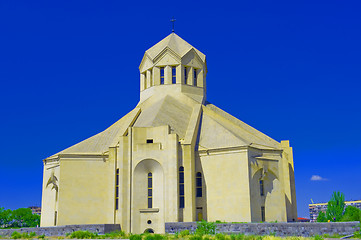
(174, 158)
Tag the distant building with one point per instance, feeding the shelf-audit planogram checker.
(35, 210)
(301, 219)
(315, 208)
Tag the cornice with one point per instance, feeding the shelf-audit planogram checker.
(228, 150)
(66, 156)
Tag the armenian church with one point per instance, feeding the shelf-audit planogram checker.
(174, 158)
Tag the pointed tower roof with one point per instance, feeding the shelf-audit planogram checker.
(176, 43)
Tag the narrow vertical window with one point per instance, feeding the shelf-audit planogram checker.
(150, 190)
(263, 214)
(195, 77)
(199, 184)
(162, 75)
(181, 187)
(174, 75)
(55, 217)
(185, 75)
(117, 190)
(261, 187)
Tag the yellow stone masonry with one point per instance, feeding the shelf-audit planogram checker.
(174, 158)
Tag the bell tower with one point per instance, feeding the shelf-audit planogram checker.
(171, 66)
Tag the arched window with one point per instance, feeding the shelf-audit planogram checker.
(185, 75)
(261, 187)
(150, 190)
(174, 75)
(181, 187)
(161, 75)
(117, 189)
(195, 77)
(199, 184)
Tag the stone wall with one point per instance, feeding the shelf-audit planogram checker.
(279, 229)
(63, 230)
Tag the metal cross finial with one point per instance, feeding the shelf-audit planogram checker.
(173, 20)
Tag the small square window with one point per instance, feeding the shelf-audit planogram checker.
(149, 140)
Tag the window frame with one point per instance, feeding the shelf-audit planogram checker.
(150, 190)
(181, 187)
(195, 77)
(174, 75)
(162, 73)
(199, 192)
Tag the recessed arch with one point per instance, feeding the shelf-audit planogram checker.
(149, 230)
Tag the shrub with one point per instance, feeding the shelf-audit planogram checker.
(28, 235)
(317, 237)
(153, 237)
(195, 237)
(135, 237)
(220, 236)
(240, 236)
(357, 234)
(253, 237)
(321, 217)
(206, 237)
(15, 235)
(41, 236)
(184, 233)
(113, 235)
(204, 227)
(351, 214)
(83, 235)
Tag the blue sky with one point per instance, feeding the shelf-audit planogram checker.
(291, 69)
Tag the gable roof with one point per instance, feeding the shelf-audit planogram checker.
(176, 44)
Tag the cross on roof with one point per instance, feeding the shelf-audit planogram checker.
(173, 20)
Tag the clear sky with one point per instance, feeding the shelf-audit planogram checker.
(291, 69)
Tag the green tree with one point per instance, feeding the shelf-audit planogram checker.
(5, 217)
(321, 217)
(335, 207)
(351, 214)
(23, 217)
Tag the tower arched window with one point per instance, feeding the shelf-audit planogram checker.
(195, 77)
(199, 184)
(185, 75)
(150, 190)
(162, 75)
(174, 75)
(181, 187)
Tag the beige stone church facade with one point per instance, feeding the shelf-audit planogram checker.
(174, 158)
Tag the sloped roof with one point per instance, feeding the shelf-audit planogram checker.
(220, 129)
(101, 142)
(166, 111)
(176, 43)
